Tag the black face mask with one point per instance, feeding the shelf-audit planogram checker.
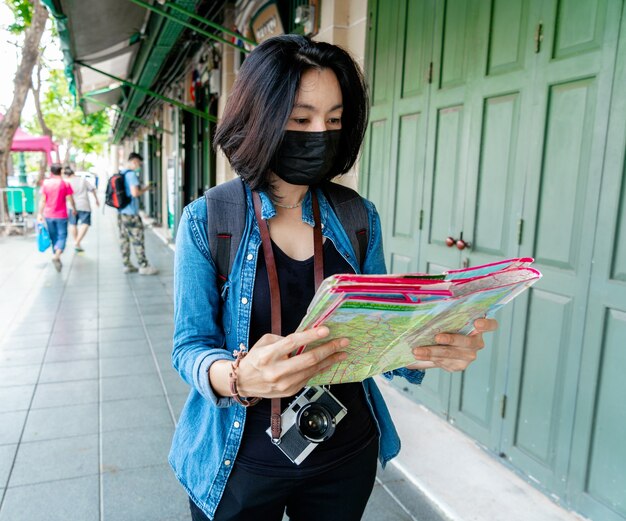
(306, 158)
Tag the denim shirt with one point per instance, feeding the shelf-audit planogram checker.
(210, 325)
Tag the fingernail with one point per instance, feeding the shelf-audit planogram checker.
(322, 331)
(343, 356)
(442, 339)
(480, 324)
(344, 342)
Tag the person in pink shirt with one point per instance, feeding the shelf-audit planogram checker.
(55, 195)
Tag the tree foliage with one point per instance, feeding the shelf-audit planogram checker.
(33, 28)
(79, 133)
(23, 14)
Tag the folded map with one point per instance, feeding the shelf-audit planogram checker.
(385, 316)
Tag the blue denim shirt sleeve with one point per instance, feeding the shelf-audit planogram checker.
(198, 336)
(375, 264)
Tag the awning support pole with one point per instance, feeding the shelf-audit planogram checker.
(149, 92)
(210, 23)
(125, 114)
(154, 9)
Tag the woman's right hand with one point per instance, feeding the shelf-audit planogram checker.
(268, 371)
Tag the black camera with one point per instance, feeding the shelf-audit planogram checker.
(310, 419)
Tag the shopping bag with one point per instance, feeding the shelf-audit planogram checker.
(43, 237)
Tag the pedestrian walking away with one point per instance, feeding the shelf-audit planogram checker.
(80, 221)
(129, 221)
(56, 195)
(244, 448)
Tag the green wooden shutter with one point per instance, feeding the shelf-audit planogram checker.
(598, 478)
(571, 94)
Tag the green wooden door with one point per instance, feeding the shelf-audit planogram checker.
(399, 70)
(570, 103)
(474, 179)
(497, 103)
(399, 56)
(511, 155)
(598, 478)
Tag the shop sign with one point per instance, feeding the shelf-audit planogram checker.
(266, 22)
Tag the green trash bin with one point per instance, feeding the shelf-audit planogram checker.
(15, 200)
(29, 192)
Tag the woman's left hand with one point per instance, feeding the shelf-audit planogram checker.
(453, 352)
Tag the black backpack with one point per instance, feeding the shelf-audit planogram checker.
(226, 217)
(116, 195)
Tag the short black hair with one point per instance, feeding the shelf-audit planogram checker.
(56, 168)
(135, 155)
(262, 99)
(68, 170)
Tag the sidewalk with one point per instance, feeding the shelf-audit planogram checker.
(88, 398)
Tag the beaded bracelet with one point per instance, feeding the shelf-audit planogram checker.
(246, 402)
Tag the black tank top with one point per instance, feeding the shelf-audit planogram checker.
(257, 453)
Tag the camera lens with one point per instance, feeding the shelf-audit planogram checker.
(315, 422)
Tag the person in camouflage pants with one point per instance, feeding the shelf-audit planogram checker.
(129, 220)
(131, 231)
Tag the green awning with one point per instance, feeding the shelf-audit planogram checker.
(104, 33)
(130, 40)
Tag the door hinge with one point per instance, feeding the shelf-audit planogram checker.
(538, 37)
(429, 74)
(520, 231)
(421, 219)
(503, 406)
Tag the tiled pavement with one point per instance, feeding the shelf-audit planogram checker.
(88, 398)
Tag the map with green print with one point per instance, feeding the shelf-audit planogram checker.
(382, 334)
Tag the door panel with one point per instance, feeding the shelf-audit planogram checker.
(455, 43)
(606, 480)
(404, 205)
(494, 196)
(597, 480)
(565, 173)
(540, 393)
(580, 27)
(618, 264)
(507, 36)
(416, 55)
(447, 176)
(377, 160)
(382, 53)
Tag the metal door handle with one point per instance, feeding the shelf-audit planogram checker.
(461, 244)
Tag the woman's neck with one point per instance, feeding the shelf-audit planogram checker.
(287, 194)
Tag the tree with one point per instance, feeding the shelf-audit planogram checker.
(45, 130)
(30, 18)
(57, 112)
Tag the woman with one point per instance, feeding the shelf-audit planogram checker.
(296, 117)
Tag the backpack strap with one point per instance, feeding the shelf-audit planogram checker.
(226, 218)
(349, 207)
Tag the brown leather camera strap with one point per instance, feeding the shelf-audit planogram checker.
(272, 275)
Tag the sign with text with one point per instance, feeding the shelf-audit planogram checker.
(266, 22)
